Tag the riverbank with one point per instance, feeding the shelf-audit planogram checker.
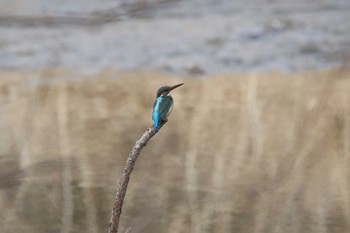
(189, 38)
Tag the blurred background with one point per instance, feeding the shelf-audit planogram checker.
(259, 140)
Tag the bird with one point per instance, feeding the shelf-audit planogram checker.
(163, 105)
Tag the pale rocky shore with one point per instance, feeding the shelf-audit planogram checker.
(178, 37)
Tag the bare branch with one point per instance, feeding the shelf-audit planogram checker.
(123, 183)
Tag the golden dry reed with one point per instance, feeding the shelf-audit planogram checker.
(257, 153)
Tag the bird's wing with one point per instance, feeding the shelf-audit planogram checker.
(165, 107)
(154, 104)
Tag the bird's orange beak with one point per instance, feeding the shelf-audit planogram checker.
(176, 86)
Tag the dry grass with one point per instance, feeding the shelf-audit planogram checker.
(241, 153)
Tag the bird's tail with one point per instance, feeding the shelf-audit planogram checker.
(156, 126)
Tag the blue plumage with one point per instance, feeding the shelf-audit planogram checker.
(156, 114)
(162, 106)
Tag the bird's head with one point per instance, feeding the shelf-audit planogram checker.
(166, 89)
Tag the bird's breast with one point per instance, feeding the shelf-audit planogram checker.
(170, 109)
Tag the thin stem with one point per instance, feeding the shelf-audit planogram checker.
(123, 183)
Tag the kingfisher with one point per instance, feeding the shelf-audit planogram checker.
(163, 105)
